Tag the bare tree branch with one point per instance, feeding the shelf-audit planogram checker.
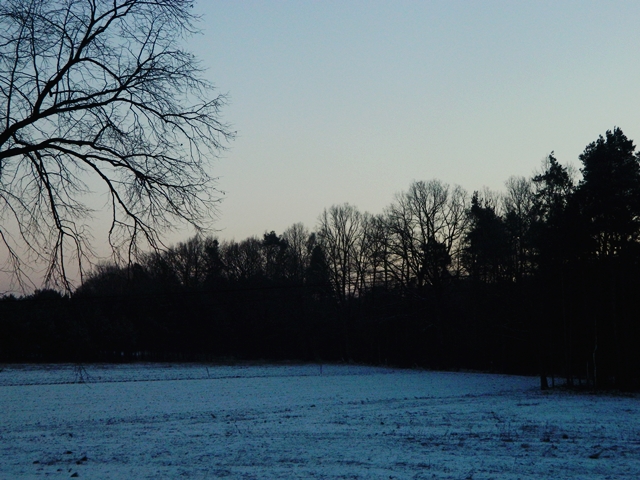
(100, 92)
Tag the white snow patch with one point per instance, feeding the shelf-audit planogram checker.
(306, 421)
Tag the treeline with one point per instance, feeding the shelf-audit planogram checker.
(541, 278)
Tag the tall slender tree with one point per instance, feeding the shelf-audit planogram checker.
(609, 202)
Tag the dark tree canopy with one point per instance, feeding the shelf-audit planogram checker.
(552, 223)
(486, 242)
(609, 193)
(553, 187)
(99, 99)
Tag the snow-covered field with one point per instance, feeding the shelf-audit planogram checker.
(267, 422)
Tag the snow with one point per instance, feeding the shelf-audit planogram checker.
(305, 421)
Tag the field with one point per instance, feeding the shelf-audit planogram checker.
(306, 421)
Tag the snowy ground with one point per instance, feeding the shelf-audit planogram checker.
(278, 422)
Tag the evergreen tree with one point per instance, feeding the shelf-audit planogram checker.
(609, 194)
(608, 199)
(486, 250)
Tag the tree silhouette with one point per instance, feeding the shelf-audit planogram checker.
(608, 198)
(554, 240)
(487, 245)
(318, 274)
(430, 215)
(519, 205)
(609, 193)
(99, 97)
(275, 250)
(340, 233)
(550, 232)
(542, 279)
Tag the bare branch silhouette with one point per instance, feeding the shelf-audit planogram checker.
(99, 92)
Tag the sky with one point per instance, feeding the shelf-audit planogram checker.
(338, 101)
(352, 101)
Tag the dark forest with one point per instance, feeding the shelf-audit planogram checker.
(542, 279)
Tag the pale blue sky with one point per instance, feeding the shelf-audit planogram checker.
(351, 101)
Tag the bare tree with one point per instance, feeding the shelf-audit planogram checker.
(244, 260)
(429, 217)
(340, 234)
(300, 244)
(518, 203)
(372, 261)
(98, 97)
(188, 261)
